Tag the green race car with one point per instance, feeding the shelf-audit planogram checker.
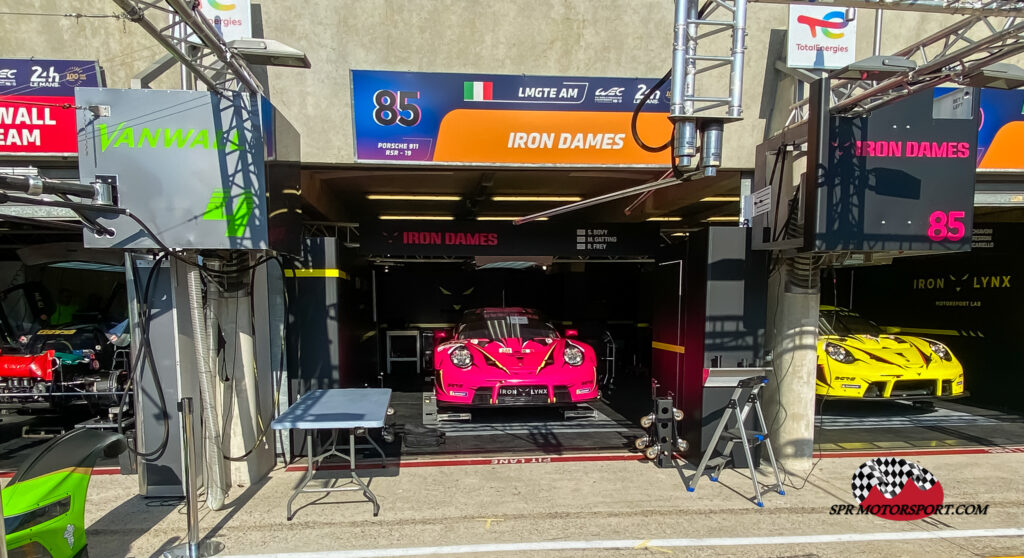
(44, 504)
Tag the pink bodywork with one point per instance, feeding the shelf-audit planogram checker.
(515, 363)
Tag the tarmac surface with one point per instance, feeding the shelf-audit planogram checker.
(620, 508)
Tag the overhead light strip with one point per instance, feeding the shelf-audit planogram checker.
(722, 219)
(664, 218)
(413, 197)
(501, 218)
(536, 198)
(721, 199)
(417, 218)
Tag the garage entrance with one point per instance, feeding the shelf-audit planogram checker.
(965, 302)
(434, 244)
(65, 359)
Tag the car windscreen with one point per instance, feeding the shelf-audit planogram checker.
(846, 324)
(503, 326)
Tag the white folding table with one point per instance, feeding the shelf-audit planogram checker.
(336, 409)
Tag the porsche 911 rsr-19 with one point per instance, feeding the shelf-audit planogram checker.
(858, 360)
(510, 356)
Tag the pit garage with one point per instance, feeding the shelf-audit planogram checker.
(962, 301)
(436, 243)
(63, 313)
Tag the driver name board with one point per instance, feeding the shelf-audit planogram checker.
(472, 238)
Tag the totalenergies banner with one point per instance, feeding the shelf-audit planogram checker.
(37, 104)
(404, 117)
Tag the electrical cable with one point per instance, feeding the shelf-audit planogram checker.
(143, 318)
(264, 430)
(636, 116)
(74, 15)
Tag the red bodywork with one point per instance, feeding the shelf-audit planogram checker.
(39, 367)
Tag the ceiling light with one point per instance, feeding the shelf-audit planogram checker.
(501, 218)
(267, 52)
(536, 198)
(664, 218)
(680, 234)
(733, 219)
(876, 68)
(417, 218)
(721, 199)
(412, 197)
(997, 76)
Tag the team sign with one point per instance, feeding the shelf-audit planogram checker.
(474, 118)
(37, 104)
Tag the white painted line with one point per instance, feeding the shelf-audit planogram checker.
(663, 543)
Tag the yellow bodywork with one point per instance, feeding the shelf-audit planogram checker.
(880, 365)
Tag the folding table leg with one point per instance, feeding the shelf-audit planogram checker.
(352, 464)
(309, 473)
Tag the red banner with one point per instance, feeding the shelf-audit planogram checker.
(34, 124)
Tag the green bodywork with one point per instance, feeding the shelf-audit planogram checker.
(44, 504)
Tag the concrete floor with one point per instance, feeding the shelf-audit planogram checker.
(565, 502)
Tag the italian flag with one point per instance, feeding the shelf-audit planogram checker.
(477, 90)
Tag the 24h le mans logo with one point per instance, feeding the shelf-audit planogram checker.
(896, 489)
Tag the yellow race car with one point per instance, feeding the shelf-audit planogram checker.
(858, 360)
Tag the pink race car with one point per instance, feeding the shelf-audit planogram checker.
(509, 356)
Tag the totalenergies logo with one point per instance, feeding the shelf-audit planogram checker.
(832, 20)
(225, 7)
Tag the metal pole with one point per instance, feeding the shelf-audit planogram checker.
(877, 50)
(739, 45)
(188, 457)
(190, 548)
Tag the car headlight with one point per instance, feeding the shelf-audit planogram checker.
(461, 357)
(941, 351)
(839, 353)
(572, 355)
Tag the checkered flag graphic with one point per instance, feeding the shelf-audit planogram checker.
(890, 475)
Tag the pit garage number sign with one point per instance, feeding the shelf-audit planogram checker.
(37, 104)
(900, 178)
(402, 117)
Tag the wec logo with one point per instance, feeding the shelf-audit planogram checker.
(7, 73)
(832, 21)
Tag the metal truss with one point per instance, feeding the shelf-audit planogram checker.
(695, 22)
(193, 41)
(332, 229)
(953, 7)
(952, 55)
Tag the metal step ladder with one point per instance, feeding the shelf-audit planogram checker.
(747, 438)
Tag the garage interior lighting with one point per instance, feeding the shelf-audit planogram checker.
(500, 218)
(413, 197)
(664, 218)
(90, 266)
(417, 218)
(680, 234)
(536, 198)
(721, 199)
(722, 219)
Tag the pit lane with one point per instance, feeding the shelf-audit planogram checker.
(892, 425)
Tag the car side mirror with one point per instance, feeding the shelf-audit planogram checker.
(571, 333)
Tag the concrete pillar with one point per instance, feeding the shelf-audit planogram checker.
(247, 400)
(789, 402)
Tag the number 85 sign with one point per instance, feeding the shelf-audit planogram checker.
(946, 225)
